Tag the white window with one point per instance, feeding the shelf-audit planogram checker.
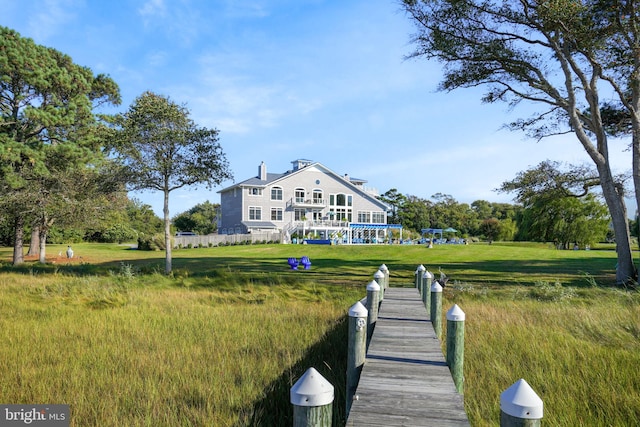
(378, 217)
(299, 195)
(343, 214)
(298, 214)
(317, 197)
(255, 213)
(255, 191)
(276, 193)
(276, 214)
(340, 199)
(364, 216)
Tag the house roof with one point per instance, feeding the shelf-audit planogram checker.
(259, 224)
(255, 181)
(275, 177)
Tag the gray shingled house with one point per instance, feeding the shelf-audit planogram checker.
(309, 201)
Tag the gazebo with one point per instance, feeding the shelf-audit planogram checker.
(432, 232)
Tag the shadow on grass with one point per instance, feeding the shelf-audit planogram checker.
(329, 357)
(256, 266)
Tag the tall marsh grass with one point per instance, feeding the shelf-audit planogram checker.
(221, 340)
(122, 352)
(579, 350)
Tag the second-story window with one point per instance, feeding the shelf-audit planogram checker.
(299, 195)
(255, 191)
(317, 197)
(276, 193)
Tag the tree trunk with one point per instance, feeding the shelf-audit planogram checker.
(634, 110)
(34, 243)
(42, 237)
(635, 152)
(625, 271)
(167, 233)
(18, 242)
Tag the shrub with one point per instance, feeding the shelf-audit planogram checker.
(545, 291)
(151, 243)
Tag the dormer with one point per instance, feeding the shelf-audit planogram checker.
(300, 163)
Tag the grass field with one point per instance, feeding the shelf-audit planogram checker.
(221, 341)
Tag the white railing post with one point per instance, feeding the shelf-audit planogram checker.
(427, 278)
(419, 272)
(455, 345)
(436, 308)
(520, 406)
(356, 351)
(379, 278)
(385, 271)
(312, 399)
(373, 300)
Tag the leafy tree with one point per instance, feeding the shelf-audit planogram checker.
(490, 228)
(201, 219)
(569, 220)
(483, 209)
(48, 137)
(446, 212)
(508, 229)
(162, 149)
(559, 55)
(414, 214)
(395, 200)
(557, 205)
(142, 218)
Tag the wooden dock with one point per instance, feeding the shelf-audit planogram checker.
(405, 380)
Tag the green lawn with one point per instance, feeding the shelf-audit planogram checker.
(221, 341)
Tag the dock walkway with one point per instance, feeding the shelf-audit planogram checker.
(405, 380)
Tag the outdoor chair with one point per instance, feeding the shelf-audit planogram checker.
(293, 263)
(306, 262)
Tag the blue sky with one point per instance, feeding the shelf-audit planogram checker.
(324, 80)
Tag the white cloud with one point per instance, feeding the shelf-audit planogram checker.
(51, 17)
(153, 8)
(157, 58)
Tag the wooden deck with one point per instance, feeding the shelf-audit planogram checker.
(405, 380)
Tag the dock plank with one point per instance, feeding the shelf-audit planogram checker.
(405, 380)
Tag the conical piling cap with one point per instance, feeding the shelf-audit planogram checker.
(455, 314)
(428, 274)
(420, 268)
(521, 401)
(436, 287)
(312, 389)
(373, 286)
(358, 310)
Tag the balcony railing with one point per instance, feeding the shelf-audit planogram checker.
(308, 203)
(322, 223)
